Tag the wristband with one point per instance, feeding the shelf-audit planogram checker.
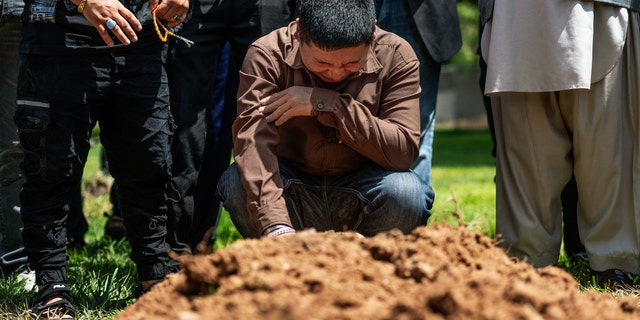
(272, 229)
(281, 231)
(81, 5)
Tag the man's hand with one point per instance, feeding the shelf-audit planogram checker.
(172, 11)
(112, 16)
(286, 104)
(111, 13)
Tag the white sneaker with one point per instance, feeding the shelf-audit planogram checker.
(29, 278)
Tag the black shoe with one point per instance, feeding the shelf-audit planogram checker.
(114, 227)
(140, 290)
(61, 309)
(614, 279)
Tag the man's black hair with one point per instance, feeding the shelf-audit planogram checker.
(336, 24)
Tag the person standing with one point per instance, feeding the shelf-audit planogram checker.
(81, 63)
(563, 77)
(202, 143)
(12, 255)
(432, 28)
(573, 246)
(11, 247)
(327, 128)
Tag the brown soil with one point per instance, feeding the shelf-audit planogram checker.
(97, 185)
(437, 272)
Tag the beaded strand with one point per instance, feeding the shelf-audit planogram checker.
(167, 32)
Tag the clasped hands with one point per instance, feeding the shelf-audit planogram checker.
(291, 102)
(112, 16)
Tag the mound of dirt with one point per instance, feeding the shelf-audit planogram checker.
(437, 272)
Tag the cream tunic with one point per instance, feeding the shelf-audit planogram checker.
(556, 47)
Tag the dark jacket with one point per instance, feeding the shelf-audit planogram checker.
(439, 28)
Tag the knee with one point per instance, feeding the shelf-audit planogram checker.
(406, 190)
(400, 200)
(231, 193)
(229, 185)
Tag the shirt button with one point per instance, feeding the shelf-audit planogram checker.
(320, 105)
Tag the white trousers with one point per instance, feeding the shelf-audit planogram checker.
(544, 138)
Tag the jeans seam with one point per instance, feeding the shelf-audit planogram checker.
(325, 200)
(287, 185)
(356, 225)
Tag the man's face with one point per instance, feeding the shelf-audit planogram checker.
(333, 66)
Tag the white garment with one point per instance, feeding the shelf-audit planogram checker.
(551, 45)
(546, 132)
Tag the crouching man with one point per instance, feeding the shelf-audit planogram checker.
(328, 126)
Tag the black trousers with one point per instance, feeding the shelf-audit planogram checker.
(12, 254)
(60, 100)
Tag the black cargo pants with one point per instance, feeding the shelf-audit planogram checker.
(60, 100)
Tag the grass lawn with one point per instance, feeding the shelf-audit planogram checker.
(102, 277)
(463, 179)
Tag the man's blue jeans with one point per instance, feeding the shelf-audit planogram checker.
(369, 201)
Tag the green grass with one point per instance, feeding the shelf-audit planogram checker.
(463, 179)
(103, 278)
